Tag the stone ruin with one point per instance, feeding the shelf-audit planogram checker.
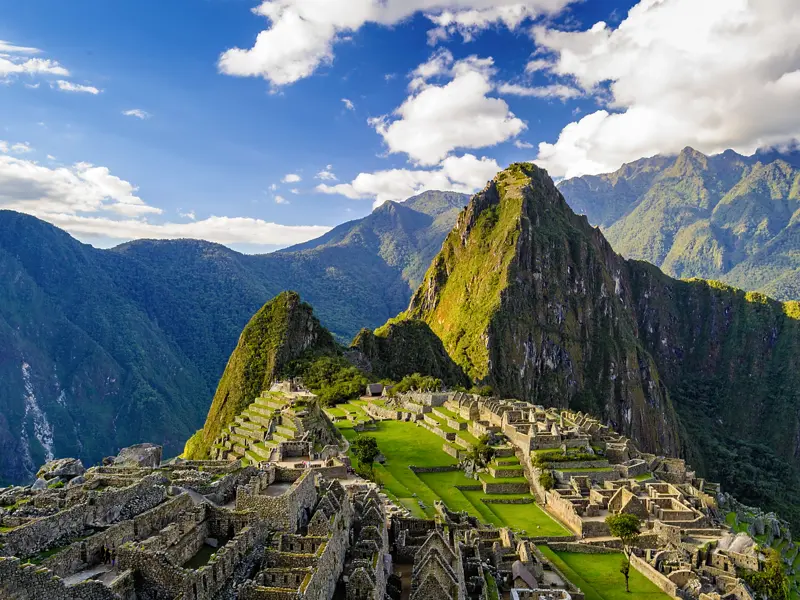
(279, 515)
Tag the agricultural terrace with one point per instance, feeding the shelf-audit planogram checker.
(405, 444)
(599, 578)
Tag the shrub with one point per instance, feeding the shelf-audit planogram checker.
(418, 383)
(546, 480)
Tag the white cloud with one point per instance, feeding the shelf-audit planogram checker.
(291, 178)
(33, 86)
(348, 104)
(30, 66)
(69, 86)
(538, 64)
(437, 119)
(713, 74)
(16, 148)
(90, 202)
(8, 47)
(465, 174)
(273, 187)
(51, 157)
(294, 191)
(222, 230)
(137, 112)
(188, 215)
(327, 174)
(557, 90)
(281, 200)
(522, 145)
(302, 33)
(468, 23)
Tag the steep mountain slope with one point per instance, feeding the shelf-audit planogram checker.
(702, 216)
(83, 369)
(104, 348)
(528, 297)
(405, 347)
(283, 330)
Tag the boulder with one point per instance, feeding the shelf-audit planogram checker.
(79, 480)
(140, 455)
(40, 484)
(63, 468)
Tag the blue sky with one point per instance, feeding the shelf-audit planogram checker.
(211, 133)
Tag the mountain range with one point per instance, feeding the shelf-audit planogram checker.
(727, 217)
(104, 348)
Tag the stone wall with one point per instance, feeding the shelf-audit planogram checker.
(657, 578)
(30, 582)
(286, 512)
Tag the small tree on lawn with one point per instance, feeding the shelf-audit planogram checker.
(365, 449)
(482, 453)
(626, 528)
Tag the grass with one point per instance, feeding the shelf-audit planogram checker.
(405, 444)
(598, 576)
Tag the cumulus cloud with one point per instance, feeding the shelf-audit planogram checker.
(327, 174)
(281, 200)
(69, 86)
(348, 104)
(713, 74)
(291, 178)
(8, 47)
(522, 145)
(137, 113)
(90, 202)
(301, 34)
(459, 113)
(465, 174)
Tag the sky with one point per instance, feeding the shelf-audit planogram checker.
(263, 124)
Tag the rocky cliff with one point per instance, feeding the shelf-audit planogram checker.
(529, 298)
(282, 331)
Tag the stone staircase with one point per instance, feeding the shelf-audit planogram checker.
(257, 431)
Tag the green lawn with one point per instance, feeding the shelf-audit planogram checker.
(599, 577)
(405, 444)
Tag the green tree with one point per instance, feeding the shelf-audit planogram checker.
(626, 528)
(482, 453)
(418, 383)
(772, 582)
(365, 449)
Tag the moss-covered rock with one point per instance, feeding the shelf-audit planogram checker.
(403, 347)
(283, 330)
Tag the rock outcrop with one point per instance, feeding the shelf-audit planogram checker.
(140, 455)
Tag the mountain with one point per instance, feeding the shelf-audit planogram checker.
(531, 299)
(101, 349)
(283, 330)
(405, 347)
(727, 217)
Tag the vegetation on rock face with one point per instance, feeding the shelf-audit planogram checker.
(282, 331)
(417, 383)
(365, 449)
(727, 217)
(405, 347)
(772, 582)
(333, 378)
(531, 299)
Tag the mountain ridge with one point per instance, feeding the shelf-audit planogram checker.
(694, 215)
(129, 343)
